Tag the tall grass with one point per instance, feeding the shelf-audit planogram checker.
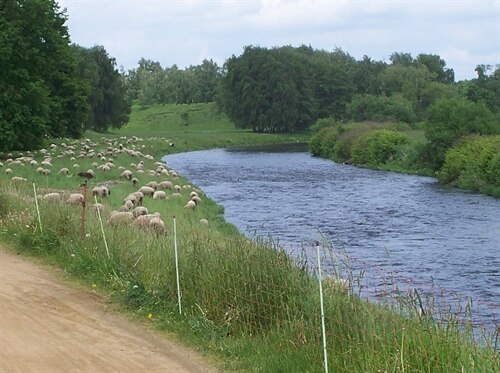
(244, 301)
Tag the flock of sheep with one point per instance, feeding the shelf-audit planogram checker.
(164, 183)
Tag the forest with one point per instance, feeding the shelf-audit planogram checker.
(403, 114)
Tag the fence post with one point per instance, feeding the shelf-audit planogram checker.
(37, 209)
(325, 353)
(177, 269)
(102, 227)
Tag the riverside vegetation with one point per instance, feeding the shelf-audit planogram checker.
(244, 302)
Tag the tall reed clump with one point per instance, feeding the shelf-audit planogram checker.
(246, 301)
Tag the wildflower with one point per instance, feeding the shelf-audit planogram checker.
(150, 316)
(94, 286)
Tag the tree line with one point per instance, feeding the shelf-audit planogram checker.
(48, 87)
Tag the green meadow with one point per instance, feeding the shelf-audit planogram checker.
(245, 304)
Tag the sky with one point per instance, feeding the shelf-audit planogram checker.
(463, 33)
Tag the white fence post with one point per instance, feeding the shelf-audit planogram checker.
(177, 269)
(37, 209)
(325, 353)
(102, 227)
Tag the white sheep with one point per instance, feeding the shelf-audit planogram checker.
(166, 185)
(177, 188)
(204, 222)
(147, 191)
(190, 205)
(8, 171)
(121, 217)
(18, 179)
(101, 191)
(196, 199)
(159, 194)
(52, 197)
(64, 171)
(75, 199)
(157, 225)
(152, 184)
(98, 208)
(135, 181)
(126, 174)
(140, 210)
(142, 221)
(46, 172)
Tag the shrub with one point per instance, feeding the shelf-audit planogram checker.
(377, 147)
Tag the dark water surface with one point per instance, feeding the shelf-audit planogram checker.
(407, 228)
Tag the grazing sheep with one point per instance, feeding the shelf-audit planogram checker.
(140, 210)
(142, 221)
(63, 171)
(204, 222)
(1, 164)
(52, 197)
(39, 170)
(159, 194)
(8, 171)
(196, 199)
(190, 205)
(152, 184)
(33, 163)
(166, 185)
(177, 188)
(135, 181)
(129, 205)
(157, 225)
(126, 174)
(76, 165)
(46, 172)
(147, 191)
(121, 217)
(75, 199)
(101, 191)
(17, 179)
(46, 164)
(98, 208)
(193, 193)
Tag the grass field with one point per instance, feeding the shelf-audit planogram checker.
(246, 303)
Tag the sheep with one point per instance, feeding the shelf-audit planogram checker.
(192, 194)
(166, 185)
(135, 181)
(177, 188)
(8, 171)
(126, 174)
(159, 194)
(1, 164)
(122, 217)
(98, 208)
(139, 210)
(46, 172)
(75, 199)
(147, 191)
(46, 164)
(157, 225)
(190, 205)
(52, 197)
(17, 179)
(196, 199)
(63, 171)
(142, 221)
(101, 191)
(204, 222)
(76, 165)
(152, 184)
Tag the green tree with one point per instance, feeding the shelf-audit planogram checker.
(109, 106)
(40, 92)
(449, 120)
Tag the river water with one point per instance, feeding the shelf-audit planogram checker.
(400, 232)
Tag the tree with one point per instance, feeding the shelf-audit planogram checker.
(449, 120)
(40, 92)
(109, 106)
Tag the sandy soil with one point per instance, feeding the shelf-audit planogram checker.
(48, 326)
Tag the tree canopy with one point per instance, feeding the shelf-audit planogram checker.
(40, 92)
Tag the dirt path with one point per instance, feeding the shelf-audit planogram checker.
(47, 326)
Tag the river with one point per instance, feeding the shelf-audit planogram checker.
(400, 232)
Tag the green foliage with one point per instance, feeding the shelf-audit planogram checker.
(40, 92)
(108, 104)
(474, 164)
(485, 88)
(449, 120)
(377, 147)
(380, 108)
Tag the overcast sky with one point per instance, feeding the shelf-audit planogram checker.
(463, 33)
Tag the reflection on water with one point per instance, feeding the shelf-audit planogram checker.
(408, 226)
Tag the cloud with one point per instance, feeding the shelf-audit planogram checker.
(464, 33)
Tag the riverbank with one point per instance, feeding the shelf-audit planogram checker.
(244, 302)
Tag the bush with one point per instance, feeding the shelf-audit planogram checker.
(381, 108)
(474, 164)
(377, 147)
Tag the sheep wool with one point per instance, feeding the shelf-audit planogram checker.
(147, 191)
(17, 179)
(190, 205)
(122, 217)
(52, 197)
(159, 194)
(75, 199)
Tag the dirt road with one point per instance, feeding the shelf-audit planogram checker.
(49, 326)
